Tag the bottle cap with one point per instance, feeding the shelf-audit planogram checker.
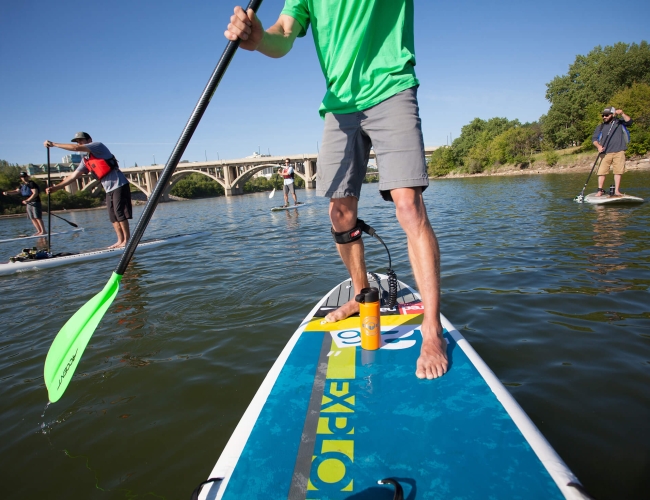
(367, 295)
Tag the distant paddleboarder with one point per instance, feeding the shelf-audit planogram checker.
(611, 137)
(31, 192)
(288, 175)
(101, 163)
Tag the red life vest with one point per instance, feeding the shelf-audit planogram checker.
(98, 167)
(288, 176)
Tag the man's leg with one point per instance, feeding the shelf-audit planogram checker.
(617, 183)
(424, 255)
(122, 231)
(601, 183)
(39, 225)
(343, 214)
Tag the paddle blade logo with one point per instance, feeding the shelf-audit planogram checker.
(68, 346)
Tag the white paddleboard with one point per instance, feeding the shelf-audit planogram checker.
(42, 235)
(12, 267)
(331, 419)
(605, 199)
(290, 207)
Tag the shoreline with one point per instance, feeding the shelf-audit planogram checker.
(584, 164)
(539, 168)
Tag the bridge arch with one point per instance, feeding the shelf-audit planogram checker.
(180, 175)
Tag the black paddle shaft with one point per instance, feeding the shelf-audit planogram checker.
(49, 211)
(179, 149)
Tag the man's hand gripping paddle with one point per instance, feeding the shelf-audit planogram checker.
(69, 344)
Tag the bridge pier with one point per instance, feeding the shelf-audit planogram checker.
(230, 173)
(310, 172)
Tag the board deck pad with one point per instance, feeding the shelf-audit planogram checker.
(339, 418)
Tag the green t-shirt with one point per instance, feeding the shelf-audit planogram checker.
(365, 48)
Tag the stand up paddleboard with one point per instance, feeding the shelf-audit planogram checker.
(330, 420)
(607, 199)
(290, 207)
(42, 235)
(12, 267)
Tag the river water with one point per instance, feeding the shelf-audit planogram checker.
(552, 294)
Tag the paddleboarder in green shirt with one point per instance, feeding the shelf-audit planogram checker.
(366, 52)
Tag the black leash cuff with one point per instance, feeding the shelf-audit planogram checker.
(345, 237)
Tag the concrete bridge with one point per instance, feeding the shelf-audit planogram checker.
(231, 174)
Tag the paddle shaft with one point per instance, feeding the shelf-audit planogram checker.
(49, 212)
(179, 149)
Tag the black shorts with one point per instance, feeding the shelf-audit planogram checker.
(118, 203)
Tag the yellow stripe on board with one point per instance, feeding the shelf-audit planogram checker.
(315, 324)
(341, 363)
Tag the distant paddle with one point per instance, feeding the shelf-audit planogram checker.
(272, 193)
(54, 215)
(68, 346)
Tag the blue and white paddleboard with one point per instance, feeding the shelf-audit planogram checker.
(288, 207)
(330, 420)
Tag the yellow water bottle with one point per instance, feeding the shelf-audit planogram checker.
(368, 301)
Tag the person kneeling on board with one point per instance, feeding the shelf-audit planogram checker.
(102, 165)
(371, 100)
(611, 138)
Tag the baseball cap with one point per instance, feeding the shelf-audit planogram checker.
(81, 135)
(608, 110)
(24, 174)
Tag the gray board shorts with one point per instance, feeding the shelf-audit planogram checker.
(35, 210)
(393, 129)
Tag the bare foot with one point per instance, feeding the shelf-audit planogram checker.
(119, 244)
(432, 362)
(345, 311)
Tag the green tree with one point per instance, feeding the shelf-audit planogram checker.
(442, 161)
(591, 80)
(197, 186)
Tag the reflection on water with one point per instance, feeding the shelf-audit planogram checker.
(609, 238)
(552, 294)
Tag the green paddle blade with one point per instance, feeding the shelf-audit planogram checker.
(68, 346)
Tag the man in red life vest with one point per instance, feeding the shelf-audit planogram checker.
(288, 174)
(102, 165)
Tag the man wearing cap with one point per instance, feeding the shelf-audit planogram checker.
(610, 138)
(367, 55)
(289, 186)
(118, 190)
(32, 202)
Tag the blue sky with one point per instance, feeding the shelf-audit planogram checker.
(130, 72)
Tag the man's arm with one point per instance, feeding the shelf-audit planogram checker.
(67, 147)
(69, 179)
(275, 42)
(628, 120)
(31, 197)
